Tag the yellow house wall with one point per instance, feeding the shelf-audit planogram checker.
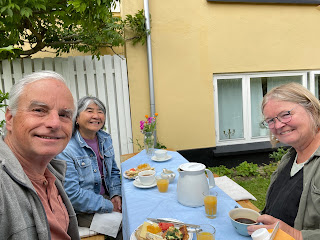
(192, 40)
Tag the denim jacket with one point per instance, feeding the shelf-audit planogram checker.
(83, 179)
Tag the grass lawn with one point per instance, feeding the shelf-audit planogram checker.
(257, 186)
(255, 179)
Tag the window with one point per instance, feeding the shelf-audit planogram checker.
(271, 1)
(314, 83)
(238, 97)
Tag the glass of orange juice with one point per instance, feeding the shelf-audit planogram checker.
(206, 232)
(210, 204)
(162, 183)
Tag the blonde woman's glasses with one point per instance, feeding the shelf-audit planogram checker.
(283, 117)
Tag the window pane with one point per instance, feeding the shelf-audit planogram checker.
(316, 82)
(230, 108)
(256, 92)
(258, 88)
(272, 82)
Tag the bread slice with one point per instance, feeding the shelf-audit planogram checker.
(151, 236)
(141, 232)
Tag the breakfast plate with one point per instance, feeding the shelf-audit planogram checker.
(133, 235)
(138, 184)
(133, 172)
(128, 177)
(154, 158)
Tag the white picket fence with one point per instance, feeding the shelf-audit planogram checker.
(105, 78)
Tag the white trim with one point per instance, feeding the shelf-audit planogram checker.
(312, 80)
(246, 109)
(246, 98)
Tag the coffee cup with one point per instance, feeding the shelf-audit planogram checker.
(241, 218)
(146, 177)
(161, 154)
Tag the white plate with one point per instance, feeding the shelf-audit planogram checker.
(133, 236)
(154, 158)
(138, 184)
(126, 176)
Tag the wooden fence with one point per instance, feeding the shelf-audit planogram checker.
(105, 78)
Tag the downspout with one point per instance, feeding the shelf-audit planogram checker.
(150, 66)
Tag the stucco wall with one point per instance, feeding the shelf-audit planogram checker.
(192, 40)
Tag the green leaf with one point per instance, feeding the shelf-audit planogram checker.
(26, 12)
(3, 9)
(10, 13)
(62, 25)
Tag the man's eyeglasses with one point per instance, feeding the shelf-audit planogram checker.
(283, 117)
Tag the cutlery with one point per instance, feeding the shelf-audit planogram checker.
(274, 232)
(157, 220)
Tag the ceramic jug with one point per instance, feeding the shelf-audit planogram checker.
(193, 184)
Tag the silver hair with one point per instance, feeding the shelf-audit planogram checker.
(18, 87)
(83, 104)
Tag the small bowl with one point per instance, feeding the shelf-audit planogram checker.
(168, 174)
(237, 213)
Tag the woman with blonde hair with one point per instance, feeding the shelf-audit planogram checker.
(292, 114)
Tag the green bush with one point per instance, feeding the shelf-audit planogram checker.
(278, 154)
(246, 169)
(3, 97)
(222, 171)
(268, 169)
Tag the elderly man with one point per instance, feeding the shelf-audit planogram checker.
(33, 204)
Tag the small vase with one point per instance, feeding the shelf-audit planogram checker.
(149, 143)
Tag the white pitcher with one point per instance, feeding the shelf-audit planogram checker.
(193, 184)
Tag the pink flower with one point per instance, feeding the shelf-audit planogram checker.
(149, 124)
(141, 125)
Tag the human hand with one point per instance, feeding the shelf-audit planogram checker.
(270, 222)
(117, 203)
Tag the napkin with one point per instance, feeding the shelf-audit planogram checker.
(234, 190)
(106, 223)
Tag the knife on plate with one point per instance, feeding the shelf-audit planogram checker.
(275, 230)
(157, 220)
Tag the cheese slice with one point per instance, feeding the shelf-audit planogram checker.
(281, 235)
(143, 232)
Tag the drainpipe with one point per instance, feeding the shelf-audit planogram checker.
(150, 66)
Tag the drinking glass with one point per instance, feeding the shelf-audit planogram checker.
(210, 204)
(162, 183)
(206, 232)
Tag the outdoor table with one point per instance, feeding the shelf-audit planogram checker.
(139, 204)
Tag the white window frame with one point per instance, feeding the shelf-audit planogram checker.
(312, 82)
(116, 8)
(246, 99)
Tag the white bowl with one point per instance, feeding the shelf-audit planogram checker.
(236, 213)
(170, 176)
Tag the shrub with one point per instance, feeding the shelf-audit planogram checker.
(3, 97)
(278, 154)
(246, 169)
(222, 171)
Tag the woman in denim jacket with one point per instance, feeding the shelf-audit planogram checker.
(92, 179)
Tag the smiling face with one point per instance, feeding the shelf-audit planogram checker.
(90, 121)
(42, 125)
(299, 132)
